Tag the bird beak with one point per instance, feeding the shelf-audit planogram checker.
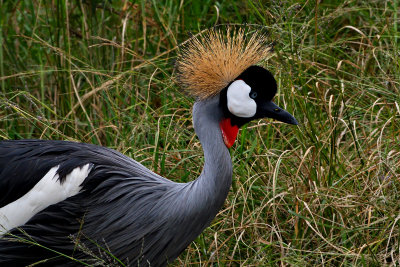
(271, 110)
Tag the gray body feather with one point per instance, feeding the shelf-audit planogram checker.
(141, 217)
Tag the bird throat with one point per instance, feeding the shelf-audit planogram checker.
(229, 132)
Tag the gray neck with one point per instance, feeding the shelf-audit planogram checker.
(215, 180)
(190, 207)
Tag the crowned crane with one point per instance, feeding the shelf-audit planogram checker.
(61, 200)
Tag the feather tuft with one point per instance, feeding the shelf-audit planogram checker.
(212, 59)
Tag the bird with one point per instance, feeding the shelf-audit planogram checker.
(66, 203)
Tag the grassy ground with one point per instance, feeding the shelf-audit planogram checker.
(323, 193)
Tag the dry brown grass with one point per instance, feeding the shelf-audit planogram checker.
(325, 193)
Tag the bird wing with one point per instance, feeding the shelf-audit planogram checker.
(114, 186)
(24, 163)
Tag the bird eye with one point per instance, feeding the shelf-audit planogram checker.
(253, 95)
(277, 110)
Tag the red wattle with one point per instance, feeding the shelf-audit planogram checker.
(229, 132)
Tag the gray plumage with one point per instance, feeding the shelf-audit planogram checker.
(141, 217)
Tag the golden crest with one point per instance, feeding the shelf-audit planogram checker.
(212, 59)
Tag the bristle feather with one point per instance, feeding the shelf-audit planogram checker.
(209, 61)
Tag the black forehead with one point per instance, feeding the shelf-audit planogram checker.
(260, 80)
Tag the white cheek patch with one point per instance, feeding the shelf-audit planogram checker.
(46, 192)
(239, 102)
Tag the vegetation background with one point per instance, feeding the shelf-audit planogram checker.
(325, 193)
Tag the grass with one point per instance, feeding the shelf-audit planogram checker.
(325, 193)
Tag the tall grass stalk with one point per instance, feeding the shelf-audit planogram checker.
(324, 193)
